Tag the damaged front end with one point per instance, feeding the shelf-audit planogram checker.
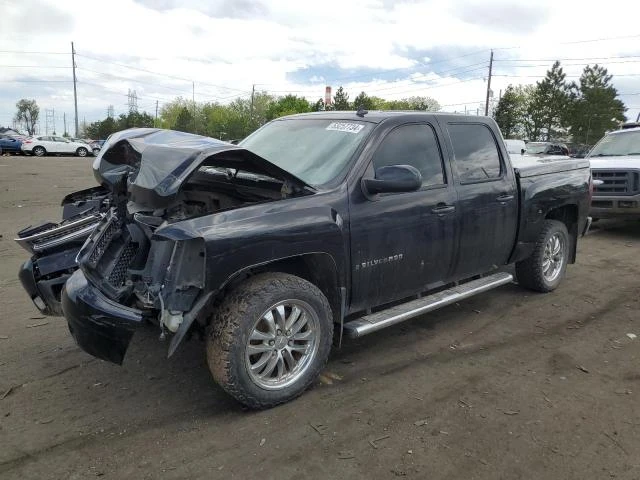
(54, 246)
(134, 268)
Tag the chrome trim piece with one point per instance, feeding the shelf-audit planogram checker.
(61, 233)
(391, 316)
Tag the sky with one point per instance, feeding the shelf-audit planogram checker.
(218, 50)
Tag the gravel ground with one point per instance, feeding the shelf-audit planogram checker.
(509, 384)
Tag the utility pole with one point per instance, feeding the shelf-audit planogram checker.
(75, 92)
(64, 119)
(486, 106)
(155, 122)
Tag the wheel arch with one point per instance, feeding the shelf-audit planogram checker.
(567, 214)
(318, 268)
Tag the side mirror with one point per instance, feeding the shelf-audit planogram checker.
(394, 178)
(522, 151)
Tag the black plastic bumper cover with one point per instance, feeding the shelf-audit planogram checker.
(99, 326)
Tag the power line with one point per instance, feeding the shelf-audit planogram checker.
(33, 53)
(31, 66)
(158, 74)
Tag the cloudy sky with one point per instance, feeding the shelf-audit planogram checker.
(388, 48)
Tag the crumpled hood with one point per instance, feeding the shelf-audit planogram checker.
(156, 162)
(618, 163)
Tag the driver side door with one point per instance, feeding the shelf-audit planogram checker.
(403, 243)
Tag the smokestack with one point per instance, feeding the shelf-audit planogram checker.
(327, 95)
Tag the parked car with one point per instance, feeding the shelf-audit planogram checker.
(47, 144)
(96, 146)
(316, 223)
(547, 149)
(615, 166)
(515, 147)
(9, 144)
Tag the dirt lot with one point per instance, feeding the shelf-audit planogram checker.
(507, 385)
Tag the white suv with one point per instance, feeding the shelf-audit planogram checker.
(615, 168)
(42, 145)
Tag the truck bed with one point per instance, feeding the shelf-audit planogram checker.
(527, 166)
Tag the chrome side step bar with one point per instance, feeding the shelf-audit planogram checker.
(391, 316)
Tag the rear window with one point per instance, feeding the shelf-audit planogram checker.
(476, 153)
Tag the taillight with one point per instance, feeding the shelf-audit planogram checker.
(27, 141)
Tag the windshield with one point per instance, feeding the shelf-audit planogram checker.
(617, 144)
(314, 150)
(534, 148)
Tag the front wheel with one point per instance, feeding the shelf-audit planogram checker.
(545, 268)
(39, 151)
(270, 339)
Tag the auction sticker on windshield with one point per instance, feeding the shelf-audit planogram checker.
(345, 127)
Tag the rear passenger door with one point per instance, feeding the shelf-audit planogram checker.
(402, 242)
(487, 198)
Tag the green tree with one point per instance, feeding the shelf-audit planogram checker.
(363, 101)
(534, 114)
(184, 122)
(552, 100)
(510, 112)
(426, 104)
(287, 105)
(341, 100)
(133, 120)
(318, 106)
(595, 108)
(101, 129)
(28, 112)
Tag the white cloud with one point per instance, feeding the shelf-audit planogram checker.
(389, 49)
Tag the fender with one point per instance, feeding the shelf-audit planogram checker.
(240, 240)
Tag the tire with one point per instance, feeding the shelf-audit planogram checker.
(82, 152)
(245, 313)
(532, 272)
(39, 151)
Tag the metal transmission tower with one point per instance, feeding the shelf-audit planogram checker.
(132, 101)
(49, 121)
(110, 111)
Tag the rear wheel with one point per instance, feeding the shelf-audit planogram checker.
(545, 268)
(82, 152)
(39, 151)
(270, 339)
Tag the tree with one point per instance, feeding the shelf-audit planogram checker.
(552, 101)
(510, 112)
(184, 122)
(595, 108)
(101, 129)
(363, 101)
(28, 112)
(426, 104)
(341, 100)
(287, 105)
(318, 106)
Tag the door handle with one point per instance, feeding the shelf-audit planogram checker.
(504, 198)
(442, 210)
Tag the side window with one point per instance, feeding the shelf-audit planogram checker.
(476, 153)
(414, 145)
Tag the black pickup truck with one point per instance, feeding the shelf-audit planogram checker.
(315, 226)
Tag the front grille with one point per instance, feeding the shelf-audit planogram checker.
(117, 276)
(103, 242)
(616, 182)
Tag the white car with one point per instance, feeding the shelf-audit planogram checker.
(45, 144)
(515, 146)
